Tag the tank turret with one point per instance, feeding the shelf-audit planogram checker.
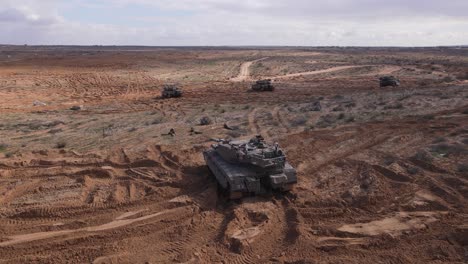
(263, 85)
(389, 81)
(249, 166)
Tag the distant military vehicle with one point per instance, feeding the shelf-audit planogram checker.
(249, 167)
(389, 81)
(170, 90)
(263, 85)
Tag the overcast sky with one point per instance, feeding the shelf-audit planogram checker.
(235, 22)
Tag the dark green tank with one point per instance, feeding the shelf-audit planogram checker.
(249, 167)
(263, 85)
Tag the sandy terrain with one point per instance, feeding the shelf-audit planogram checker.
(383, 173)
(244, 73)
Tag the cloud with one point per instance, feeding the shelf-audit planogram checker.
(239, 22)
(25, 16)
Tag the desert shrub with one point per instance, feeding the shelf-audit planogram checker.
(423, 83)
(404, 96)
(3, 147)
(204, 121)
(439, 140)
(463, 168)
(394, 106)
(389, 160)
(290, 109)
(449, 79)
(132, 129)
(423, 156)
(349, 119)
(428, 117)
(156, 121)
(465, 112)
(338, 109)
(325, 121)
(314, 106)
(246, 107)
(341, 116)
(55, 131)
(299, 121)
(447, 149)
(465, 141)
(462, 76)
(60, 144)
(412, 170)
(350, 105)
(234, 133)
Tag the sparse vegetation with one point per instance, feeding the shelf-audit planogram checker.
(423, 156)
(60, 144)
(412, 170)
(448, 149)
(204, 121)
(157, 121)
(326, 121)
(55, 131)
(428, 117)
(349, 119)
(3, 147)
(394, 106)
(130, 155)
(462, 168)
(298, 121)
(389, 160)
(439, 140)
(338, 109)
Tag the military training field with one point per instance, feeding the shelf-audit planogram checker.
(90, 174)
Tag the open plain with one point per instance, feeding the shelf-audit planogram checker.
(382, 172)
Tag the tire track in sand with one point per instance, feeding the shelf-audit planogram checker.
(117, 223)
(279, 118)
(253, 125)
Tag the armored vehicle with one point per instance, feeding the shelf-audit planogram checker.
(263, 85)
(249, 167)
(170, 90)
(389, 81)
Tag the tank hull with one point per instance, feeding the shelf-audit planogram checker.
(238, 179)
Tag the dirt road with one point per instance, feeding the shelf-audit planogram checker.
(329, 70)
(244, 74)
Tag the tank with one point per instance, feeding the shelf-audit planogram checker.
(263, 85)
(389, 81)
(249, 167)
(170, 90)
